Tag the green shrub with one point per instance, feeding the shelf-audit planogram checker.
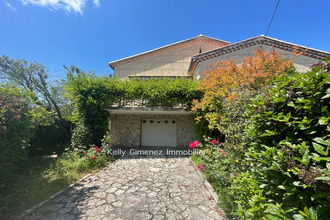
(72, 164)
(15, 129)
(81, 137)
(290, 141)
(15, 133)
(248, 196)
(49, 139)
(277, 161)
(220, 162)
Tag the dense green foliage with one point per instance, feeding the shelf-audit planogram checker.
(49, 139)
(34, 122)
(49, 107)
(80, 161)
(92, 95)
(161, 92)
(290, 141)
(221, 162)
(34, 79)
(276, 164)
(16, 123)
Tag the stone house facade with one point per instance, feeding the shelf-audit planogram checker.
(133, 126)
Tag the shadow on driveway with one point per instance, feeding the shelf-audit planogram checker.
(142, 184)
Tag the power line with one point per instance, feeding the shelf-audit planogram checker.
(270, 23)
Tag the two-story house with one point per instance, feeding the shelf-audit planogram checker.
(134, 126)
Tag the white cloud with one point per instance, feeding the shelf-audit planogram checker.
(10, 6)
(68, 5)
(97, 3)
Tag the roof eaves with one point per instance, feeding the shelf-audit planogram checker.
(113, 64)
(297, 45)
(318, 54)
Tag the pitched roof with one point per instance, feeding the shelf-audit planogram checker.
(168, 48)
(259, 40)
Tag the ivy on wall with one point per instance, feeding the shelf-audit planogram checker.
(91, 95)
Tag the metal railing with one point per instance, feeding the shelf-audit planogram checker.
(145, 103)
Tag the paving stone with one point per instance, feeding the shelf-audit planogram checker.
(111, 190)
(59, 198)
(142, 215)
(100, 195)
(111, 198)
(108, 209)
(139, 188)
(158, 217)
(55, 207)
(65, 217)
(95, 212)
(77, 211)
(70, 205)
(63, 211)
(117, 204)
(119, 192)
(100, 202)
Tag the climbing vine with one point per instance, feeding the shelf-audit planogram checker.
(91, 95)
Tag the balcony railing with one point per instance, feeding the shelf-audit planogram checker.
(146, 103)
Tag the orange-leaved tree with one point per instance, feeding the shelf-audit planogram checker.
(229, 84)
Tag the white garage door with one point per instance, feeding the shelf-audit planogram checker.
(158, 133)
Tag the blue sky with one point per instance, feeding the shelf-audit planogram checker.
(91, 33)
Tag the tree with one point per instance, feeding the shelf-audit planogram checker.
(33, 77)
(228, 85)
(15, 129)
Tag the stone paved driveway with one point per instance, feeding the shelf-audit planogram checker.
(139, 188)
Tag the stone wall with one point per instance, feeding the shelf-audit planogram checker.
(125, 129)
(185, 130)
(302, 63)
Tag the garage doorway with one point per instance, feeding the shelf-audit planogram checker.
(159, 133)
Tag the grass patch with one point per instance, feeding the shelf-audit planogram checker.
(37, 179)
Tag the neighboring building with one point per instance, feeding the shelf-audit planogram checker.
(133, 126)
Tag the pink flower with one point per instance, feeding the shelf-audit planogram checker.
(192, 146)
(221, 151)
(224, 153)
(98, 149)
(197, 153)
(200, 167)
(85, 153)
(214, 141)
(94, 157)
